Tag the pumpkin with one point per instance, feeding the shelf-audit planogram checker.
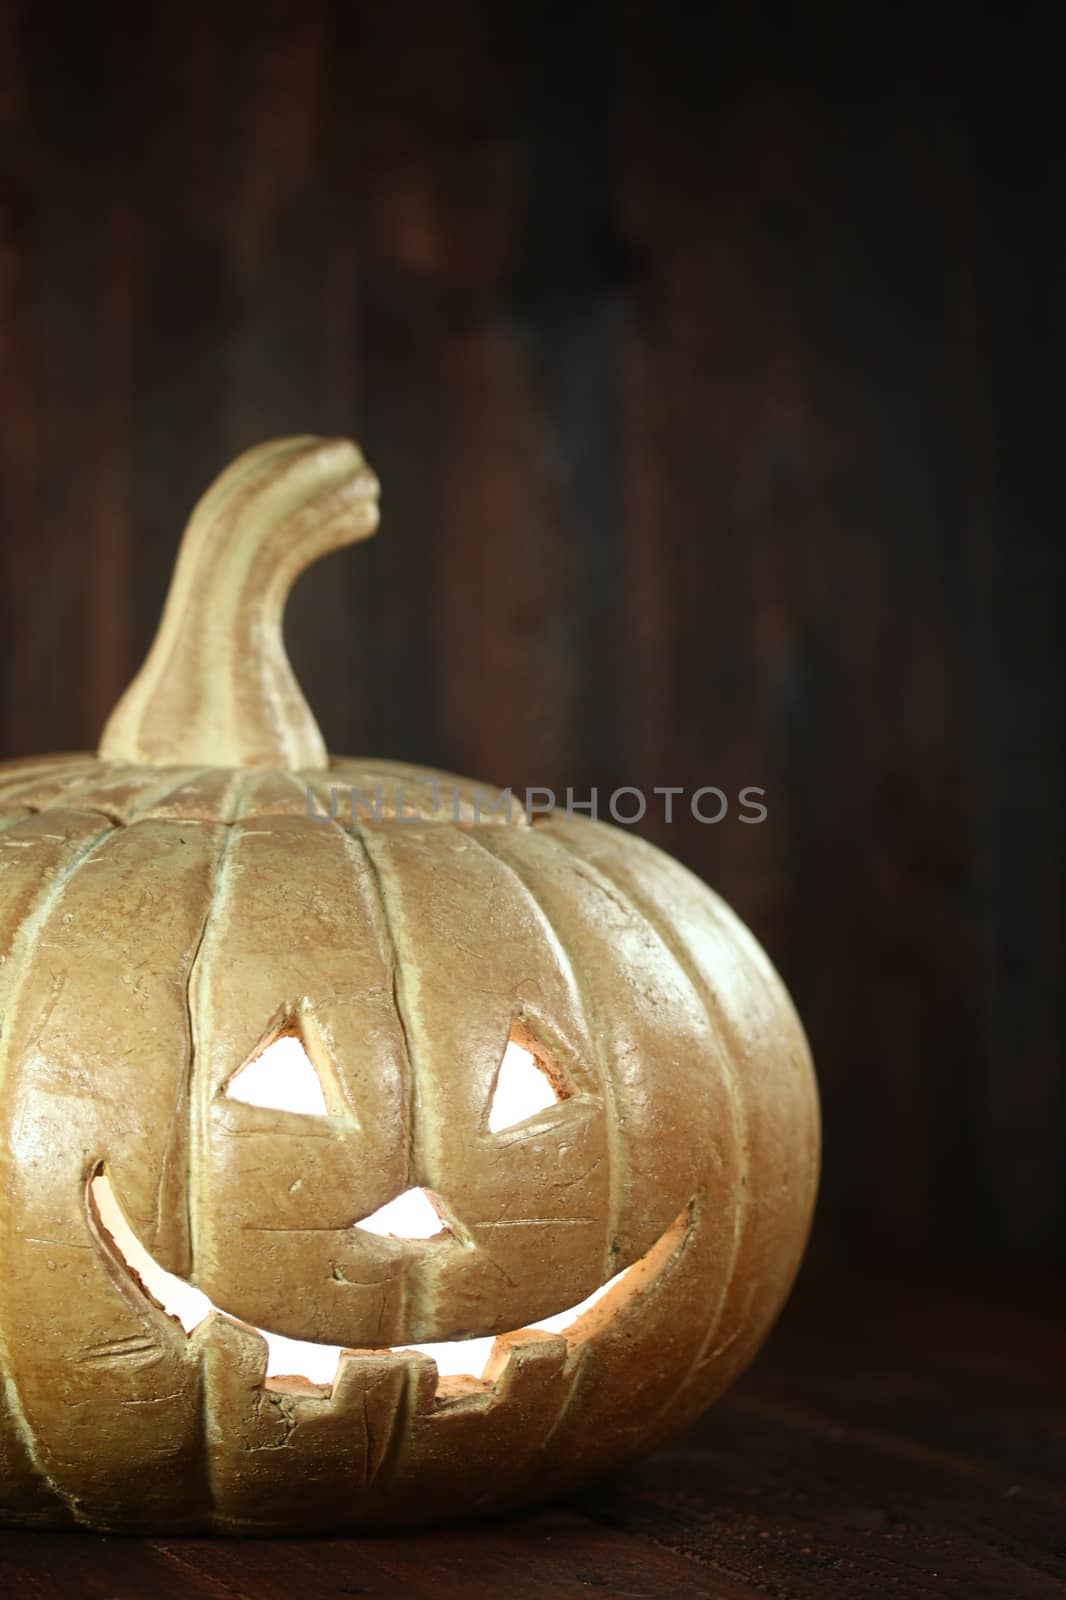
(359, 1170)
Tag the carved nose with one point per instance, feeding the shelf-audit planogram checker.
(411, 1215)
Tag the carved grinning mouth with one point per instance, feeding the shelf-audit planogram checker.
(458, 1360)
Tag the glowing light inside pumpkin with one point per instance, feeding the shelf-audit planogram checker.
(522, 1089)
(282, 1078)
(410, 1216)
(469, 1357)
(299, 1357)
(180, 1299)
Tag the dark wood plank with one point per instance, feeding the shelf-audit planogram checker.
(555, 1553)
(899, 1435)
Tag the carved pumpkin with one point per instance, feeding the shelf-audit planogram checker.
(256, 1068)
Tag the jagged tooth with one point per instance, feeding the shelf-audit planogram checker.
(524, 1362)
(421, 1371)
(233, 1363)
(357, 1372)
(367, 1399)
(234, 1345)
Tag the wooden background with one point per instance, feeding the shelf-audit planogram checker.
(712, 361)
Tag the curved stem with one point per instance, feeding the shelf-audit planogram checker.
(216, 688)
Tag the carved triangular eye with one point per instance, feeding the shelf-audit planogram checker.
(523, 1088)
(282, 1077)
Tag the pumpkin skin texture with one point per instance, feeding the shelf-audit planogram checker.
(170, 905)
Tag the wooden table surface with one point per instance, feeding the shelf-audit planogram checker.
(898, 1437)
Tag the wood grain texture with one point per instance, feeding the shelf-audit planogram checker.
(900, 1435)
(711, 367)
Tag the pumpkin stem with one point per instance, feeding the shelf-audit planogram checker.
(216, 688)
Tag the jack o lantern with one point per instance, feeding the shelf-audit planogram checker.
(358, 1170)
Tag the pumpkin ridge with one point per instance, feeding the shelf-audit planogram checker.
(292, 779)
(122, 817)
(85, 781)
(83, 785)
(187, 1090)
(733, 933)
(15, 778)
(44, 903)
(615, 1169)
(198, 1137)
(389, 1456)
(702, 989)
(357, 834)
(176, 778)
